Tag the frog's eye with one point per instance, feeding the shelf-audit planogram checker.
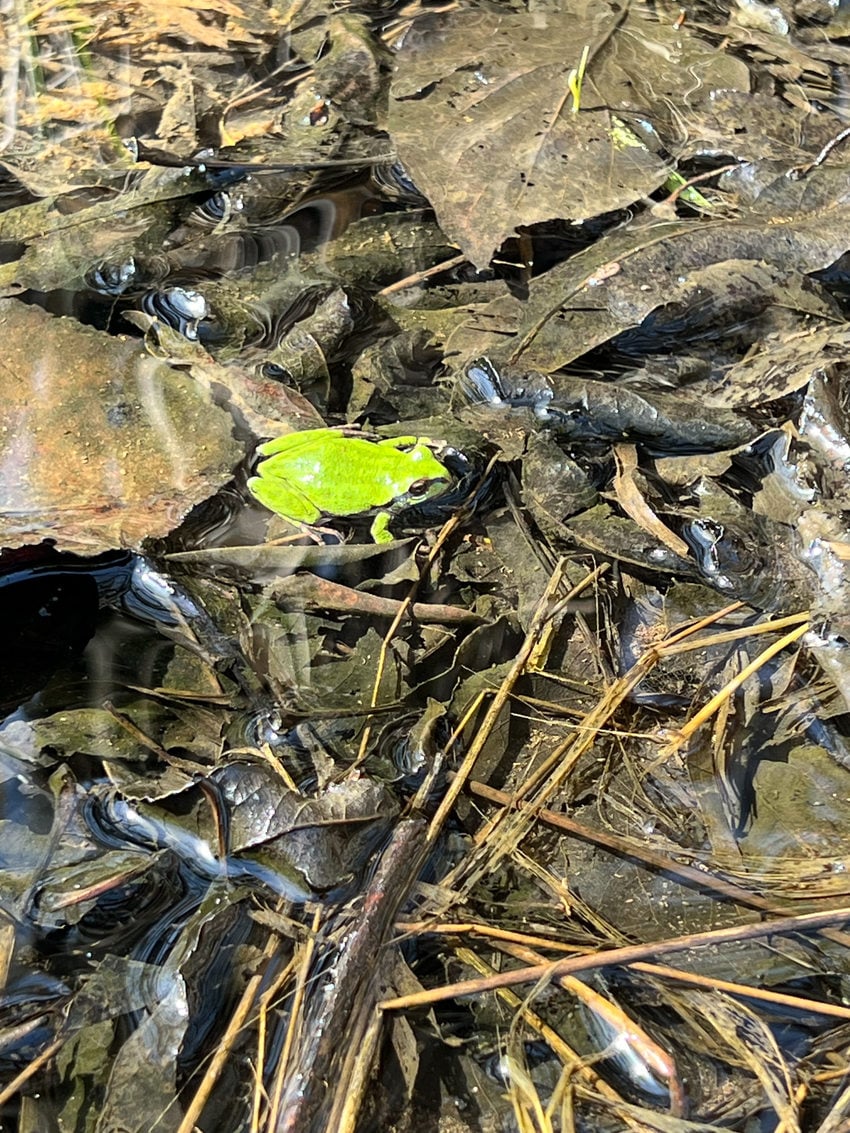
(418, 488)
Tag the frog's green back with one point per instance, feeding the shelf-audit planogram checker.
(327, 472)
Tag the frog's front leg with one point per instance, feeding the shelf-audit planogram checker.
(380, 529)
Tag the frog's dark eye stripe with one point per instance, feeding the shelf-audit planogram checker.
(418, 488)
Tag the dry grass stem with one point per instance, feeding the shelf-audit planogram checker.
(709, 709)
(777, 998)
(294, 1026)
(805, 922)
(654, 1056)
(744, 632)
(223, 1051)
(446, 532)
(542, 616)
(568, 1056)
(500, 836)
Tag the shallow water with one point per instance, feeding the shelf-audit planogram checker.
(441, 221)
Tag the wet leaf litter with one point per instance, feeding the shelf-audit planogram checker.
(510, 796)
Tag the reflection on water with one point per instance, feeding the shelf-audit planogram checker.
(468, 224)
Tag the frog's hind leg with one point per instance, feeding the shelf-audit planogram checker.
(288, 502)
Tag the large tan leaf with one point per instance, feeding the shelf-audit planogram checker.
(101, 445)
(482, 115)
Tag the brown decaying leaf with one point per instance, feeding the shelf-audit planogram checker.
(102, 445)
(494, 94)
(496, 85)
(635, 506)
(567, 314)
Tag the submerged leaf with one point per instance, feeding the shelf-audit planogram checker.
(102, 445)
(492, 84)
(618, 281)
(488, 113)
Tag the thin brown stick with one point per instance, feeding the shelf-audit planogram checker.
(309, 592)
(806, 922)
(799, 171)
(31, 1068)
(542, 615)
(420, 276)
(630, 848)
(659, 971)
(729, 890)
(837, 1120)
(358, 1066)
(238, 1022)
(259, 1096)
(345, 994)
(674, 196)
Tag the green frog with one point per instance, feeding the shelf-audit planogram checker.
(333, 473)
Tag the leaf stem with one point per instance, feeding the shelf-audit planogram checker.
(576, 78)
